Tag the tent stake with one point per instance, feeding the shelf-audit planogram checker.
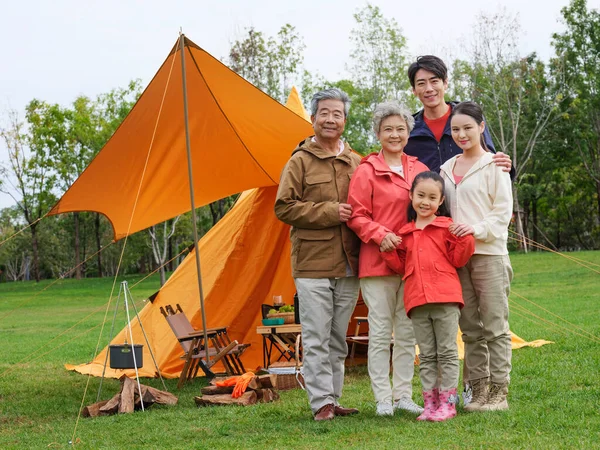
(191, 181)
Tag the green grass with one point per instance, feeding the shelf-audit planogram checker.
(554, 396)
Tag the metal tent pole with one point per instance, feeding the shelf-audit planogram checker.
(191, 181)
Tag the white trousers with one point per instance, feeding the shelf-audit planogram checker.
(384, 297)
(326, 305)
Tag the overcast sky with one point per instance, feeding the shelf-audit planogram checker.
(57, 50)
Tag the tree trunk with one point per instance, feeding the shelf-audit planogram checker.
(163, 278)
(77, 246)
(598, 200)
(536, 236)
(36, 257)
(519, 222)
(170, 265)
(98, 247)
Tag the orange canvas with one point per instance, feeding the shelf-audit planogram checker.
(240, 139)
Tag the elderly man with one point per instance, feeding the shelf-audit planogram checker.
(312, 197)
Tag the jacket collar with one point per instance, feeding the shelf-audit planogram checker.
(381, 168)
(422, 130)
(312, 147)
(485, 160)
(439, 222)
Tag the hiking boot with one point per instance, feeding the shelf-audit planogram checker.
(432, 402)
(384, 409)
(406, 404)
(496, 400)
(480, 389)
(447, 408)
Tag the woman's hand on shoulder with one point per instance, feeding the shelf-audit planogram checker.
(461, 229)
(390, 243)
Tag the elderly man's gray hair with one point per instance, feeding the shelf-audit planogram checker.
(329, 94)
(387, 109)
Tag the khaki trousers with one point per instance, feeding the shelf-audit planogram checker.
(384, 296)
(326, 305)
(485, 284)
(436, 325)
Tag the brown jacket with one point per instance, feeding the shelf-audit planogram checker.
(313, 184)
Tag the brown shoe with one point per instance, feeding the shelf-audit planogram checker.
(325, 412)
(341, 411)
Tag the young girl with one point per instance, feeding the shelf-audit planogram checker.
(428, 257)
(480, 199)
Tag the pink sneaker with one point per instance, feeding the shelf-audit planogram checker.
(432, 402)
(447, 408)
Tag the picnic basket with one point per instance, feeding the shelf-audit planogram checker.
(288, 317)
(290, 374)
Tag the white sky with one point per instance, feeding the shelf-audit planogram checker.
(57, 50)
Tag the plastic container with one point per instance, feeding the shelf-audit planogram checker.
(273, 322)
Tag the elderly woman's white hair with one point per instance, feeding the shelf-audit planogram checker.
(388, 109)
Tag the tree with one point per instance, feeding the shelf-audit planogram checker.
(380, 57)
(270, 64)
(518, 94)
(578, 50)
(160, 238)
(28, 175)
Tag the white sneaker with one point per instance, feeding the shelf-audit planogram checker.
(406, 404)
(384, 409)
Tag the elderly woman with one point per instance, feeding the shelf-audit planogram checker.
(379, 195)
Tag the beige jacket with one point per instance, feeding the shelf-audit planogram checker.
(482, 199)
(313, 184)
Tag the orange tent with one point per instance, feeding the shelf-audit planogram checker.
(240, 139)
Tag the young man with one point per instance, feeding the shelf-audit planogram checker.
(431, 139)
(312, 198)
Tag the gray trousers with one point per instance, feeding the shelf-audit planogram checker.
(326, 305)
(436, 326)
(485, 284)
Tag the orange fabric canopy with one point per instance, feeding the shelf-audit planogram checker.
(240, 139)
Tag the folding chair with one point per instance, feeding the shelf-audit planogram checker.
(357, 338)
(220, 347)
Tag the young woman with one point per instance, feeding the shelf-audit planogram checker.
(428, 257)
(480, 199)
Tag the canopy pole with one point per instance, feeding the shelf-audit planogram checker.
(191, 181)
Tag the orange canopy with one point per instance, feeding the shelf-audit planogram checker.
(240, 139)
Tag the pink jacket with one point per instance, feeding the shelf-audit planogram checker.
(379, 199)
(428, 258)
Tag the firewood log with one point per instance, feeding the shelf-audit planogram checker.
(248, 398)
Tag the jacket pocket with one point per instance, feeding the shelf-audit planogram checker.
(446, 268)
(446, 281)
(315, 250)
(318, 188)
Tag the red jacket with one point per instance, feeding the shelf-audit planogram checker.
(379, 199)
(428, 258)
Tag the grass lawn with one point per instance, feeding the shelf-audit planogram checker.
(554, 396)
